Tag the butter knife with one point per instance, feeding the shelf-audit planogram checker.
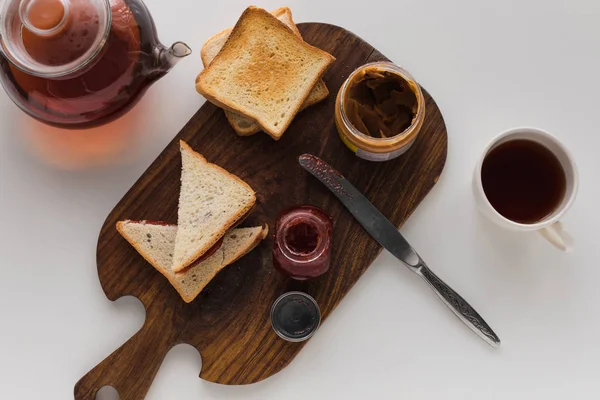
(388, 236)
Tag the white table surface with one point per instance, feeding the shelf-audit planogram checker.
(490, 66)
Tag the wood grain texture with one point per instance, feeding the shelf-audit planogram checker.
(229, 321)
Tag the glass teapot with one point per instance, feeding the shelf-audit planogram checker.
(80, 63)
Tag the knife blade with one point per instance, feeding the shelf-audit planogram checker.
(388, 236)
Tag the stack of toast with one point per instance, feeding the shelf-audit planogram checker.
(262, 73)
(211, 203)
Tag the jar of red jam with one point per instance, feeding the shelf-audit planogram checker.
(302, 246)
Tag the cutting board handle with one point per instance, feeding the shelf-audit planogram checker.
(131, 368)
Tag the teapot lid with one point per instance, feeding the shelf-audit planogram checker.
(53, 38)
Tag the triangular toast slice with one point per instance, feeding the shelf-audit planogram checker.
(155, 242)
(210, 203)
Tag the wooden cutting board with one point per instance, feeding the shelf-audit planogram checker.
(229, 321)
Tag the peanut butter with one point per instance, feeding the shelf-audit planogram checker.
(380, 103)
(379, 111)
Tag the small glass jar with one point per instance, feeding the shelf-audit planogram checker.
(368, 147)
(302, 246)
(295, 316)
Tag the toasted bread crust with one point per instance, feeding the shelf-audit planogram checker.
(281, 11)
(318, 94)
(208, 91)
(205, 48)
(249, 126)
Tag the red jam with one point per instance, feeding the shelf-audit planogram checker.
(147, 222)
(302, 247)
(208, 253)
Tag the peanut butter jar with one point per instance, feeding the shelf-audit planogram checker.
(379, 111)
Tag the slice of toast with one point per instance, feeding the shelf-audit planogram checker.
(215, 43)
(243, 125)
(211, 202)
(156, 244)
(263, 71)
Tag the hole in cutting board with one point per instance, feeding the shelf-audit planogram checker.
(107, 393)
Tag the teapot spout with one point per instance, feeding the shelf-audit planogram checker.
(172, 55)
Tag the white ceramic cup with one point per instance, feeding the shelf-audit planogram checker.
(550, 227)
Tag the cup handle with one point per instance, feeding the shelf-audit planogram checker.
(558, 236)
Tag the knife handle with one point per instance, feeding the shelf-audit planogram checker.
(459, 306)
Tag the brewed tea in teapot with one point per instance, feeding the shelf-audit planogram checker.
(80, 63)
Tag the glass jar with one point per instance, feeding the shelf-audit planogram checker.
(295, 316)
(302, 246)
(378, 148)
